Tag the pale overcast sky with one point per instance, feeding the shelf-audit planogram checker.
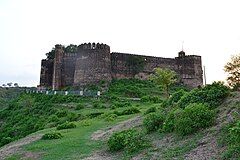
(30, 28)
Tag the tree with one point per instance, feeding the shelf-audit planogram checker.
(233, 70)
(9, 84)
(164, 78)
(51, 54)
(4, 85)
(15, 85)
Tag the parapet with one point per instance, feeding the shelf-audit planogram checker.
(94, 46)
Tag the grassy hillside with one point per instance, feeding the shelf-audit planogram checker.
(197, 124)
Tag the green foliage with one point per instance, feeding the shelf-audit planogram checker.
(192, 118)
(51, 54)
(169, 123)
(176, 96)
(53, 135)
(24, 116)
(153, 99)
(230, 138)
(164, 78)
(131, 110)
(153, 121)
(66, 125)
(132, 88)
(94, 114)
(111, 117)
(122, 104)
(150, 110)
(62, 113)
(130, 140)
(79, 106)
(213, 95)
(71, 48)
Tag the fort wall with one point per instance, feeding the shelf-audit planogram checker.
(94, 62)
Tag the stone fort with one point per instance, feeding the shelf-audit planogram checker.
(92, 63)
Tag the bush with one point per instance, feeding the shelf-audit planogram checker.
(62, 113)
(129, 111)
(111, 117)
(169, 123)
(79, 106)
(131, 140)
(192, 118)
(230, 139)
(54, 135)
(176, 96)
(71, 116)
(213, 95)
(95, 114)
(66, 125)
(153, 99)
(153, 121)
(122, 104)
(150, 110)
(53, 118)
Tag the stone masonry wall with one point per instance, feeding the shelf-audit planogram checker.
(94, 62)
(46, 73)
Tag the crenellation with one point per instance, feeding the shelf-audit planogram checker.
(94, 62)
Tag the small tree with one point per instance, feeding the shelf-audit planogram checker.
(4, 85)
(9, 84)
(164, 78)
(15, 85)
(233, 70)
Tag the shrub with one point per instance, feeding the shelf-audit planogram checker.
(150, 110)
(62, 113)
(168, 125)
(131, 140)
(53, 118)
(79, 106)
(53, 135)
(71, 116)
(122, 104)
(213, 95)
(176, 96)
(153, 99)
(192, 118)
(230, 138)
(153, 121)
(111, 117)
(95, 114)
(66, 125)
(131, 110)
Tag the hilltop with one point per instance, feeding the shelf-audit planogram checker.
(94, 121)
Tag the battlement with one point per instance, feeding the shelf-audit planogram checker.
(93, 46)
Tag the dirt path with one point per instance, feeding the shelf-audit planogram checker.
(16, 147)
(105, 134)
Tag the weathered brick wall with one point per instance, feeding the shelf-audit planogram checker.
(46, 73)
(120, 69)
(189, 68)
(93, 64)
(58, 67)
(69, 63)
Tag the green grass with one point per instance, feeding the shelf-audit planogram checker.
(76, 143)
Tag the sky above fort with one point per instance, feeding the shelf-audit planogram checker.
(30, 28)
